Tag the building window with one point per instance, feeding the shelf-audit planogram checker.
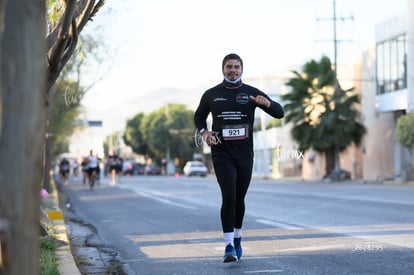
(391, 64)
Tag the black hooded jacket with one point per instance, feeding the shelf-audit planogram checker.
(233, 117)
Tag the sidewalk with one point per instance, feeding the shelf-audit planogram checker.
(67, 265)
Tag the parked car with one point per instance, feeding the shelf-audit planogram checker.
(152, 169)
(140, 169)
(195, 168)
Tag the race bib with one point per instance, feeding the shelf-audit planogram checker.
(235, 132)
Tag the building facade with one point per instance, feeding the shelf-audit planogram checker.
(387, 94)
(384, 76)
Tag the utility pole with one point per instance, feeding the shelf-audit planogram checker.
(335, 40)
(334, 19)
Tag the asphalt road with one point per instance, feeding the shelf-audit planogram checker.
(168, 225)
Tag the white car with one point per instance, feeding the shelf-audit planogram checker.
(195, 168)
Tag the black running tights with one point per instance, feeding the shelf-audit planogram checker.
(233, 176)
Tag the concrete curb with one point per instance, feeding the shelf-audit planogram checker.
(66, 263)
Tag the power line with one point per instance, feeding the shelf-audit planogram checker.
(334, 19)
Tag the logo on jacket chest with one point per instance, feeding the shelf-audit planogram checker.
(242, 98)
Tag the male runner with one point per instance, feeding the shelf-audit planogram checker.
(232, 105)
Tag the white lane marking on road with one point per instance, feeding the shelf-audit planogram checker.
(264, 271)
(166, 201)
(158, 197)
(312, 248)
(279, 224)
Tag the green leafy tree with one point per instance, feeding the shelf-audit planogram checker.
(405, 130)
(168, 132)
(71, 86)
(155, 132)
(405, 136)
(68, 93)
(325, 118)
(65, 110)
(134, 137)
(65, 21)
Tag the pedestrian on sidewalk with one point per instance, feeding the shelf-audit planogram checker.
(232, 105)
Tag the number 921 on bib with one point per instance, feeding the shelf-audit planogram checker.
(235, 132)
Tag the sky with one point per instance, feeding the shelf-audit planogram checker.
(166, 45)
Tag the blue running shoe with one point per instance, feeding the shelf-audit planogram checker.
(229, 254)
(238, 248)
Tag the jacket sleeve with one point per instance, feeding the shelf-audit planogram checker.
(200, 115)
(275, 109)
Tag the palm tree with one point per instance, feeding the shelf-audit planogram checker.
(325, 119)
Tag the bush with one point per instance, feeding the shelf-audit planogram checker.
(405, 130)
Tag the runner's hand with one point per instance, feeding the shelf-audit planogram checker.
(261, 100)
(210, 138)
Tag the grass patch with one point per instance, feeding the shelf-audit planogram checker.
(48, 259)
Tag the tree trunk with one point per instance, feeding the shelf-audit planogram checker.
(329, 161)
(410, 168)
(22, 86)
(337, 162)
(47, 161)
